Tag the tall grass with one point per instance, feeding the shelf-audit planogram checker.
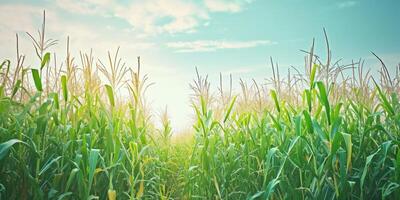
(331, 132)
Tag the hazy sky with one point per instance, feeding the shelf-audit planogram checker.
(232, 37)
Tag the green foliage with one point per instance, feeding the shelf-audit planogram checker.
(252, 145)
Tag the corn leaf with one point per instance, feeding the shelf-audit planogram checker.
(110, 95)
(64, 87)
(6, 146)
(45, 60)
(37, 80)
(324, 99)
(275, 98)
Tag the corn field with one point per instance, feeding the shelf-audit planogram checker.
(328, 131)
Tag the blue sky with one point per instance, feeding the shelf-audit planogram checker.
(232, 37)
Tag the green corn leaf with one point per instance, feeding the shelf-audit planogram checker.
(5, 106)
(395, 100)
(45, 60)
(2, 90)
(312, 75)
(364, 173)
(110, 94)
(270, 188)
(389, 189)
(385, 148)
(269, 159)
(64, 195)
(6, 146)
(321, 134)
(203, 105)
(342, 167)
(335, 144)
(16, 87)
(307, 118)
(48, 165)
(229, 109)
(71, 178)
(292, 143)
(275, 98)
(324, 99)
(217, 187)
(93, 156)
(297, 122)
(256, 195)
(349, 148)
(55, 118)
(55, 100)
(276, 122)
(7, 64)
(37, 80)
(385, 102)
(307, 94)
(398, 165)
(64, 87)
(336, 111)
(335, 127)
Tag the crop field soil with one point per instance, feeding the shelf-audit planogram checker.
(327, 131)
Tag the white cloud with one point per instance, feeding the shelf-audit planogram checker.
(90, 7)
(347, 4)
(213, 45)
(151, 16)
(156, 16)
(223, 6)
(14, 17)
(159, 16)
